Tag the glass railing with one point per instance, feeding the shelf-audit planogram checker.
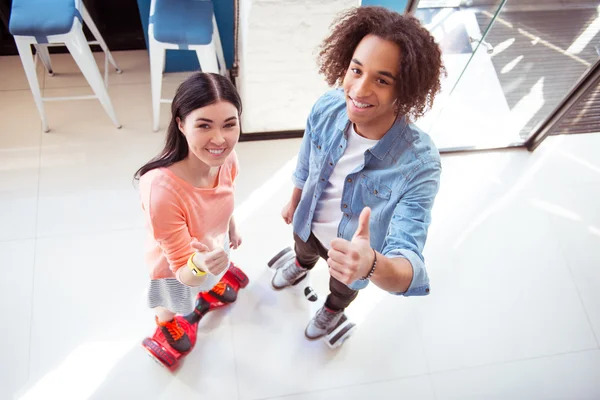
(509, 63)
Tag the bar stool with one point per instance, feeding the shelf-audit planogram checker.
(182, 25)
(399, 6)
(44, 23)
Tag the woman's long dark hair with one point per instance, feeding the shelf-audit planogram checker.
(197, 91)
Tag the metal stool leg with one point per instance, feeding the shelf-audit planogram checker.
(219, 48)
(207, 56)
(24, 48)
(157, 63)
(92, 26)
(80, 50)
(44, 56)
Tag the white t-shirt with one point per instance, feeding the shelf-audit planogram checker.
(328, 213)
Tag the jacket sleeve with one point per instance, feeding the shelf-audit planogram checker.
(410, 222)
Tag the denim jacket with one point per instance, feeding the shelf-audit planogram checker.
(399, 181)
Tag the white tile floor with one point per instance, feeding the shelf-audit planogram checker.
(513, 255)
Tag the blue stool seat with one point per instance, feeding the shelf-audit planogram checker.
(398, 6)
(183, 22)
(41, 18)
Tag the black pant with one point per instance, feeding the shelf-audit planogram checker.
(308, 254)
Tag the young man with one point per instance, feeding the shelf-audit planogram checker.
(366, 178)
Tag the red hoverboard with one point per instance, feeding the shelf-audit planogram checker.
(157, 346)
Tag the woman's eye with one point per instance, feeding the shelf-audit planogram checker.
(382, 82)
(204, 126)
(356, 70)
(229, 126)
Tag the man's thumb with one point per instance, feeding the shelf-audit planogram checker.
(363, 224)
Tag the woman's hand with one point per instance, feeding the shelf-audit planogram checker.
(212, 261)
(235, 239)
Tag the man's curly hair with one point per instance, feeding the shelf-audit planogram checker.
(420, 61)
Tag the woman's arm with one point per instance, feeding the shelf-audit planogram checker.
(167, 223)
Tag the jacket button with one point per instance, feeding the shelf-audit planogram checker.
(319, 147)
(375, 191)
(345, 205)
(349, 180)
(322, 179)
(331, 164)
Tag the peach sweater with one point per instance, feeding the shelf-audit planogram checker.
(176, 212)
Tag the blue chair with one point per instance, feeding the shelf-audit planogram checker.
(182, 25)
(44, 23)
(395, 5)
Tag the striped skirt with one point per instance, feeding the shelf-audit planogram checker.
(177, 297)
(172, 295)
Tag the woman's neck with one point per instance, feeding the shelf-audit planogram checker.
(196, 172)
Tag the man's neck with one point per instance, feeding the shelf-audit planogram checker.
(375, 130)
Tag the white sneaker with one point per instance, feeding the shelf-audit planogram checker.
(324, 321)
(288, 275)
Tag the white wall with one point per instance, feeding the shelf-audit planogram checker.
(278, 46)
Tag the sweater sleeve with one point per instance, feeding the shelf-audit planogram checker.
(167, 223)
(235, 167)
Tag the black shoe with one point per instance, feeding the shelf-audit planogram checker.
(175, 335)
(223, 292)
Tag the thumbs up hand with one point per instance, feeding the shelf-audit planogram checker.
(212, 261)
(350, 261)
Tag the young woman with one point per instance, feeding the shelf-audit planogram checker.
(187, 195)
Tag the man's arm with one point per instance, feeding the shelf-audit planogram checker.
(400, 268)
(392, 274)
(402, 261)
